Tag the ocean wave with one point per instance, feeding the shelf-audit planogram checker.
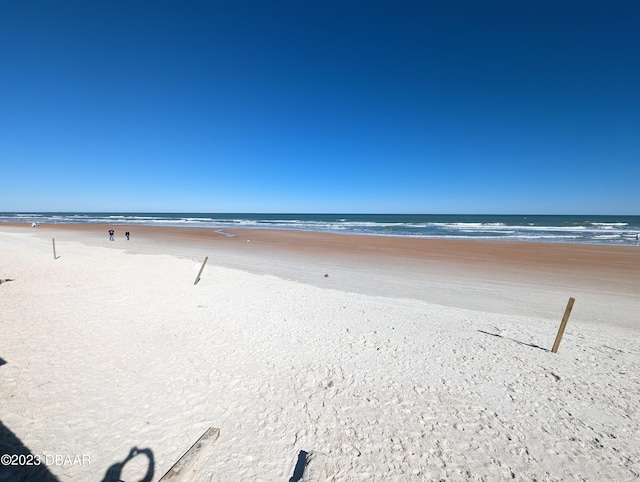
(610, 225)
(518, 228)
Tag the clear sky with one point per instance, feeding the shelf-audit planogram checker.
(424, 106)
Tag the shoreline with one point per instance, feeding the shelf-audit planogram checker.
(547, 254)
(613, 230)
(230, 229)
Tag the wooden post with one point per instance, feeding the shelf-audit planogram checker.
(180, 469)
(563, 324)
(200, 272)
(54, 248)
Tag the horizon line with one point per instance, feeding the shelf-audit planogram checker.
(314, 213)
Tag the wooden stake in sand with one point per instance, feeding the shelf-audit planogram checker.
(563, 324)
(54, 248)
(184, 463)
(200, 272)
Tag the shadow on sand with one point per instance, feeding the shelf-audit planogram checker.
(12, 446)
(298, 471)
(114, 473)
(532, 345)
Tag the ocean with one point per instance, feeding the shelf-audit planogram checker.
(597, 229)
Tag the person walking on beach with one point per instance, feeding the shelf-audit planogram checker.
(637, 239)
(127, 235)
(111, 233)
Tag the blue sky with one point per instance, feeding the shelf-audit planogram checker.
(320, 106)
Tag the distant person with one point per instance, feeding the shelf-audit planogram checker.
(111, 234)
(637, 239)
(127, 235)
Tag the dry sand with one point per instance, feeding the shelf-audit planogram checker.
(413, 359)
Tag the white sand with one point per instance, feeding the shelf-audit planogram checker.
(106, 351)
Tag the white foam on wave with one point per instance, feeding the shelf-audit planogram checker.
(610, 225)
(607, 236)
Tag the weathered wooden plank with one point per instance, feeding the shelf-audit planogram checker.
(181, 468)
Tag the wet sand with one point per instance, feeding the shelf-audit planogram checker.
(459, 273)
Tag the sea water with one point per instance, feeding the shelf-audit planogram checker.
(597, 229)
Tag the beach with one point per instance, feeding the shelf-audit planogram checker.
(386, 358)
